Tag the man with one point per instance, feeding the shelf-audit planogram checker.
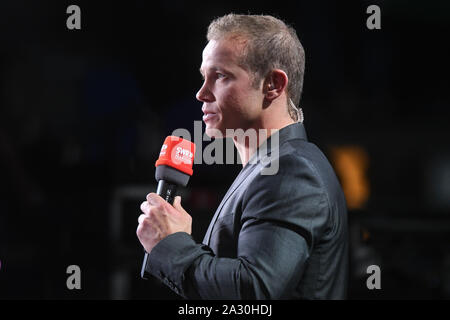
(274, 236)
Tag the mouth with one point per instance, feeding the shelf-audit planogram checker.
(209, 116)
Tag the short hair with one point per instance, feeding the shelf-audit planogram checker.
(269, 44)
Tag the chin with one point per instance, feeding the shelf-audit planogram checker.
(213, 132)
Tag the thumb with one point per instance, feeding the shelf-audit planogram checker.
(177, 204)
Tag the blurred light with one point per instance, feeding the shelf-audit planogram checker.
(365, 235)
(351, 163)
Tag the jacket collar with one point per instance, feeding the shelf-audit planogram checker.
(290, 132)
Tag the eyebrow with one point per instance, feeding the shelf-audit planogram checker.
(215, 69)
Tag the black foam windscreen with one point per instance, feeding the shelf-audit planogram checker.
(171, 175)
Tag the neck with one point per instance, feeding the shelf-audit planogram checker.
(248, 142)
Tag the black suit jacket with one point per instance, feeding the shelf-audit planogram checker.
(276, 236)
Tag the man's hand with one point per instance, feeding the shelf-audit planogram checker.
(161, 219)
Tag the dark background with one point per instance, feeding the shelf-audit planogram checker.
(83, 114)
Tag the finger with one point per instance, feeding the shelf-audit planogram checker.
(177, 204)
(145, 207)
(177, 201)
(154, 199)
(141, 218)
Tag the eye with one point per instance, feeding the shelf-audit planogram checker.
(220, 75)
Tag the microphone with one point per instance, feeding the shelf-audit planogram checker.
(173, 169)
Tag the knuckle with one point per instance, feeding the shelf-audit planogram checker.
(145, 222)
(150, 195)
(144, 206)
(139, 231)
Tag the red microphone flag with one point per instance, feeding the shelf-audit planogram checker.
(178, 154)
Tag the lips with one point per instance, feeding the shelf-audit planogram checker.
(209, 116)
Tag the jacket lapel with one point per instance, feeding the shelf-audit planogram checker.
(237, 182)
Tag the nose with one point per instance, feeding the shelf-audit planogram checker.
(204, 94)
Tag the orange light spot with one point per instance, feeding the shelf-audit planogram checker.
(351, 164)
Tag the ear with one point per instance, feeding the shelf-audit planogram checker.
(275, 84)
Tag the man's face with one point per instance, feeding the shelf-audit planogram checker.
(229, 99)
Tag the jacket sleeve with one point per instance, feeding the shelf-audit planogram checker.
(281, 215)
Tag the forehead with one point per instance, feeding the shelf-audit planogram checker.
(222, 53)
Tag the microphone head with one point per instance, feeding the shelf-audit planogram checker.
(175, 160)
